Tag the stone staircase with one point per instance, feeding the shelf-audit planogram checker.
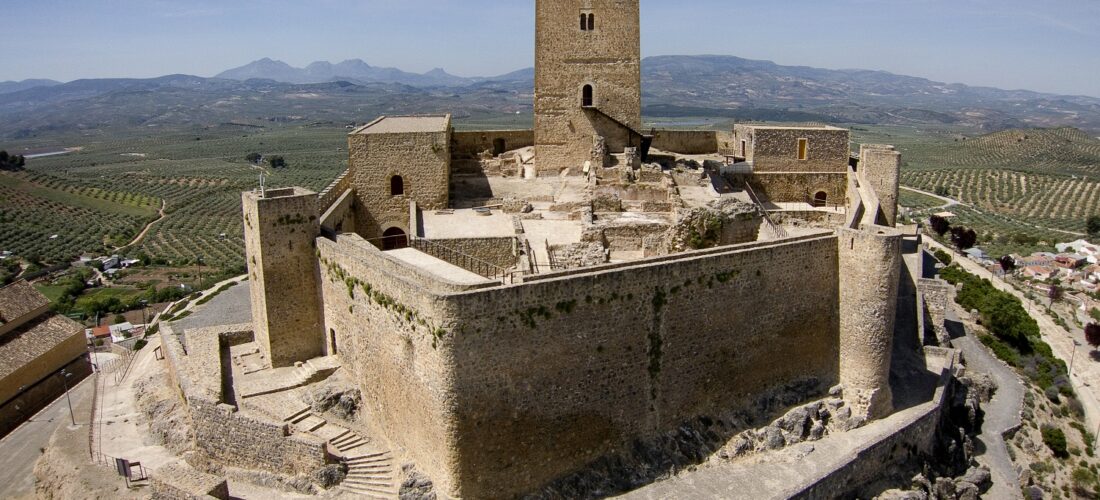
(370, 473)
(284, 379)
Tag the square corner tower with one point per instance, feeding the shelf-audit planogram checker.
(588, 79)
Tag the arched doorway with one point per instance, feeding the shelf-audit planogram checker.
(587, 96)
(394, 238)
(821, 199)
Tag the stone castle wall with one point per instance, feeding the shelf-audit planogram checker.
(422, 159)
(280, 229)
(687, 142)
(776, 149)
(566, 59)
(223, 433)
(402, 369)
(614, 355)
(469, 145)
(788, 187)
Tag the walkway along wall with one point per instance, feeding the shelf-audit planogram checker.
(497, 391)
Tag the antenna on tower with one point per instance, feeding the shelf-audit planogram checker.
(263, 191)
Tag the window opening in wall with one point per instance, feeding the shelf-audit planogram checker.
(803, 149)
(332, 337)
(397, 186)
(821, 199)
(744, 148)
(592, 22)
(499, 147)
(394, 238)
(587, 96)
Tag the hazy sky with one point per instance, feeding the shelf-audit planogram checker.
(1045, 45)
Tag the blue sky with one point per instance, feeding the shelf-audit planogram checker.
(1050, 45)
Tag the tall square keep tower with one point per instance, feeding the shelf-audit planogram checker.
(587, 79)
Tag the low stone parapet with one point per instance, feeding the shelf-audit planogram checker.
(180, 482)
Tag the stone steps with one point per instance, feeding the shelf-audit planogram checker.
(370, 473)
(310, 423)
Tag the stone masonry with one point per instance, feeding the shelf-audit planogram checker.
(415, 149)
(607, 58)
(280, 228)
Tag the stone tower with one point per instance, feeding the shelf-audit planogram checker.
(280, 228)
(870, 267)
(881, 168)
(587, 80)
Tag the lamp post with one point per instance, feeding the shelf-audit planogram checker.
(1073, 356)
(65, 379)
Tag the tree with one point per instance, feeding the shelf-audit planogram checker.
(963, 238)
(942, 191)
(939, 224)
(276, 162)
(1008, 263)
(3, 156)
(1092, 335)
(254, 158)
(1055, 293)
(1093, 224)
(119, 319)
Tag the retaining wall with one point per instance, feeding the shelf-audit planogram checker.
(469, 145)
(687, 142)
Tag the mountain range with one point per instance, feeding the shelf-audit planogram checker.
(268, 91)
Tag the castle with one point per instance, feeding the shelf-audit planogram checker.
(514, 305)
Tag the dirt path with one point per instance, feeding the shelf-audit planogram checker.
(1085, 372)
(137, 239)
(1001, 413)
(947, 202)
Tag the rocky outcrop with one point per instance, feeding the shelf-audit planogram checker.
(723, 222)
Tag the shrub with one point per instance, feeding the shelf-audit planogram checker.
(1084, 481)
(943, 257)
(1055, 439)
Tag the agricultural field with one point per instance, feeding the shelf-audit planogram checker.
(1022, 190)
(100, 198)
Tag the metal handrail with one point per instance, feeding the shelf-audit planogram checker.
(463, 260)
(779, 232)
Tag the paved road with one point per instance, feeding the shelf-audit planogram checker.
(1001, 414)
(1085, 372)
(21, 449)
